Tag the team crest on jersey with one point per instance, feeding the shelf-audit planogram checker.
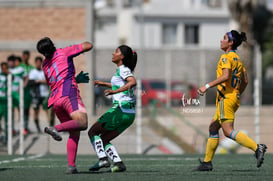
(224, 60)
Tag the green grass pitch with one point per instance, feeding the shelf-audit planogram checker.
(139, 167)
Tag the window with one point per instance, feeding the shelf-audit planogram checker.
(127, 3)
(169, 34)
(110, 3)
(214, 3)
(191, 34)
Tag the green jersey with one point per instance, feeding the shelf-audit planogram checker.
(18, 74)
(3, 85)
(126, 99)
(27, 68)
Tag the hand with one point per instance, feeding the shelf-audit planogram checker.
(97, 83)
(82, 77)
(202, 90)
(108, 92)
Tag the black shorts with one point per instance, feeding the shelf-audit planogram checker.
(37, 101)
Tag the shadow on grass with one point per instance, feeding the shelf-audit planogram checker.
(241, 170)
(5, 169)
(34, 140)
(108, 172)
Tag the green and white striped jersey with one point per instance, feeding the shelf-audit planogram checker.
(18, 74)
(125, 99)
(3, 86)
(27, 68)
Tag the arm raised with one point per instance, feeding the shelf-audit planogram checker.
(86, 46)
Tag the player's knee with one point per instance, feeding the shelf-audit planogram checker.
(83, 125)
(81, 119)
(91, 133)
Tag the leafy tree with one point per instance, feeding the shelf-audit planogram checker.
(252, 18)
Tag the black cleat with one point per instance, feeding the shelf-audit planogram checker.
(204, 166)
(54, 133)
(102, 163)
(118, 167)
(259, 154)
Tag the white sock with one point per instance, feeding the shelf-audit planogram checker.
(112, 153)
(98, 146)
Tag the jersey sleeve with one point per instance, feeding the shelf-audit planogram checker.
(31, 75)
(225, 62)
(125, 72)
(73, 50)
(23, 72)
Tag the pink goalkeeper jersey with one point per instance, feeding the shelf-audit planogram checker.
(60, 73)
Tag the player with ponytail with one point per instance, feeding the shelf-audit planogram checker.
(120, 116)
(231, 82)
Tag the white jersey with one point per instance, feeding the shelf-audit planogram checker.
(18, 73)
(125, 99)
(36, 74)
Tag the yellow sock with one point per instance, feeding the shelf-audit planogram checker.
(212, 144)
(243, 140)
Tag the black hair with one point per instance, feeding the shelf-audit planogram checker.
(18, 58)
(4, 64)
(38, 58)
(26, 52)
(237, 38)
(130, 57)
(46, 47)
(11, 58)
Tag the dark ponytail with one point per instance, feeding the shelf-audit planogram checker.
(130, 57)
(237, 38)
(46, 47)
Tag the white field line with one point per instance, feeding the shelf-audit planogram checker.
(22, 159)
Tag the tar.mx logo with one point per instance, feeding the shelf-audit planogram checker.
(191, 105)
(189, 101)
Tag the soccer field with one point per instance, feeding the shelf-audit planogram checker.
(139, 167)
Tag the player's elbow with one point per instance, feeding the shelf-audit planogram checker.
(245, 81)
(133, 83)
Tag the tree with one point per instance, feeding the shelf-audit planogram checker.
(247, 14)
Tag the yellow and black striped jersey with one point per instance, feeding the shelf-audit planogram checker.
(230, 60)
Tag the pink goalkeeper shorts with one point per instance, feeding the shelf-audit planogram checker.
(65, 106)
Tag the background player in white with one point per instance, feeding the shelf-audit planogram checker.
(38, 89)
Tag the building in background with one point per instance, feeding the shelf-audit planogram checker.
(175, 40)
(161, 23)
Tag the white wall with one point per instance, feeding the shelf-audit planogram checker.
(107, 36)
(211, 34)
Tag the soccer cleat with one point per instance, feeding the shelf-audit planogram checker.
(204, 166)
(54, 133)
(71, 170)
(118, 167)
(26, 132)
(259, 154)
(102, 163)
